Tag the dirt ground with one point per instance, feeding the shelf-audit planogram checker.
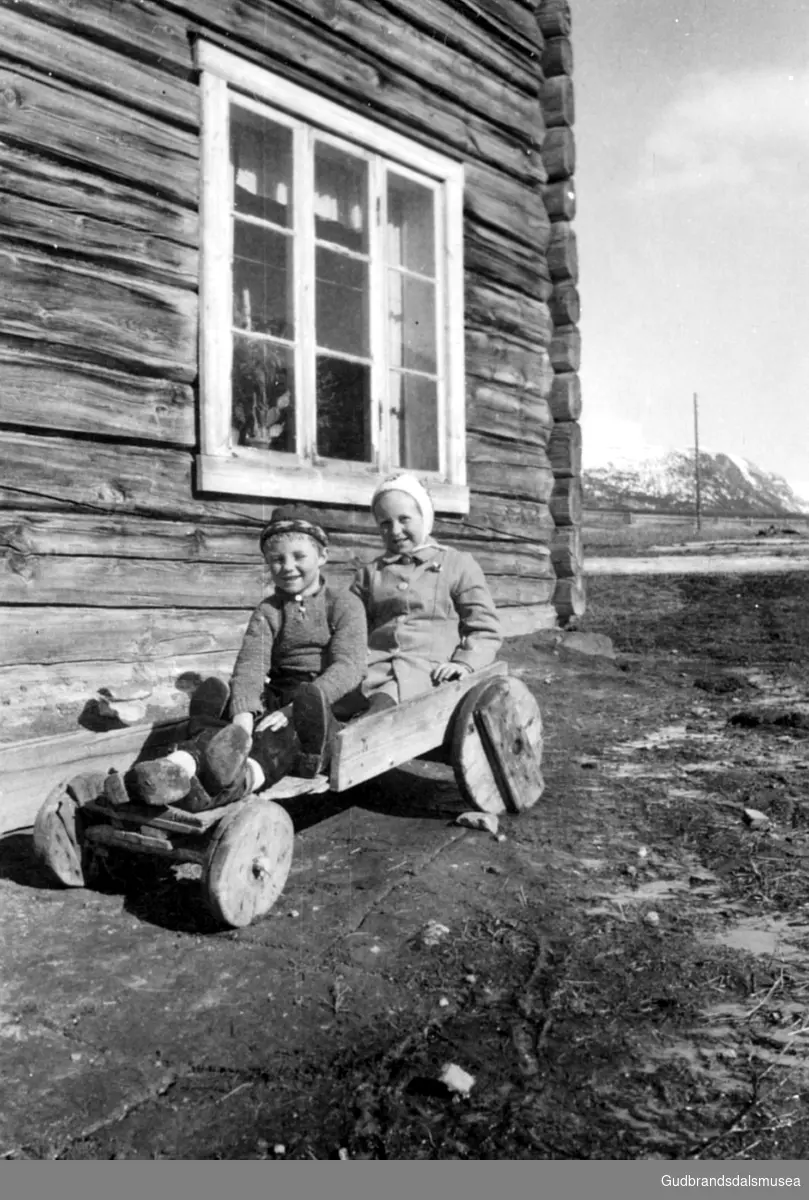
(625, 976)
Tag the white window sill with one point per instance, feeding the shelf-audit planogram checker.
(339, 483)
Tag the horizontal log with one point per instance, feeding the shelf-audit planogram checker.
(511, 206)
(504, 518)
(83, 398)
(553, 17)
(564, 448)
(502, 565)
(30, 769)
(509, 312)
(565, 303)
(121, 535)
(91, 131)
(570, 598)
(63, 697)
(527, 618)
(368, 26)
(516, 416)
(508, 590)
(563, 252)
(507, 470)
(558, 101)
(565, 398)
(46, 635)
(510, 21)
(114, 582)
(485, 46)
(39, 471)
(205, 587)
(86, 193)
(557, 57)
(63, 54)
(566, 552)
(110, 314)
(566, 501)
(565, 348)
(560, 200)
(492, 357)
(559, 153)
(500, 260)
(54, 225)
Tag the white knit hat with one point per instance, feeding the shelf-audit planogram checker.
(413, 487)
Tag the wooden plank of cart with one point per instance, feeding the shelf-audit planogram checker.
(487, 725)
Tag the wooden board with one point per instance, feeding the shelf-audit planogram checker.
(293, 785)
(142, 842)
(30, 770)
(173, 820)
(512, 727)
(474, 774)
(248, 862)
(56, 838)
(497, 747)
(372, 745)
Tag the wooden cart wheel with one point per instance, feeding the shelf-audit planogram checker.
(496, 746)
(58, 828)
(248, 862)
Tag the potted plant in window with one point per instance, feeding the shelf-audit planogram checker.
(261, 395)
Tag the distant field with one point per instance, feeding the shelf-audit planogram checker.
(608, 531)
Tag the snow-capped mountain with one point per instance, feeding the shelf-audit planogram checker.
(665, 483)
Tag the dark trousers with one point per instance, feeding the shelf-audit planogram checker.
(275, 750)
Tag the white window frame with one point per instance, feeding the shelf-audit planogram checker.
(241, 470)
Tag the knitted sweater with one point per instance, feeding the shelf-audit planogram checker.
(325, 638)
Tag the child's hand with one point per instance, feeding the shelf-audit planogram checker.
(447, 671)
(274, 720)
(244, 720)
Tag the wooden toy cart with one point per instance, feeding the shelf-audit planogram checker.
(487, 725)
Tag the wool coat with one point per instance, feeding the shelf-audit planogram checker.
(425, 608)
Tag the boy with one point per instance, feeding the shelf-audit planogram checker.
(303, 650)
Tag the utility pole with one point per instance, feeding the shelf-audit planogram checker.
(697, 480)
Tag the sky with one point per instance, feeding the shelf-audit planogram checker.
(692, 178)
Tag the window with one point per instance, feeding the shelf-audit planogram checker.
(331, 328)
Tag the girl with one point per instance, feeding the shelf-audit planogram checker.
(431, 617)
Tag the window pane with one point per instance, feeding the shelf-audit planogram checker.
(263, 395)
(261, 154)
(341, 198)
(411, 323)
(341, 302)
(343, 409)
(414, 400)
(262, 280)
(411, 228)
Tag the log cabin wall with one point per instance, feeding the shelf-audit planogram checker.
(120, 578)
(565, 443)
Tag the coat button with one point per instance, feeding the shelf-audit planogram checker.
(403, 587)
